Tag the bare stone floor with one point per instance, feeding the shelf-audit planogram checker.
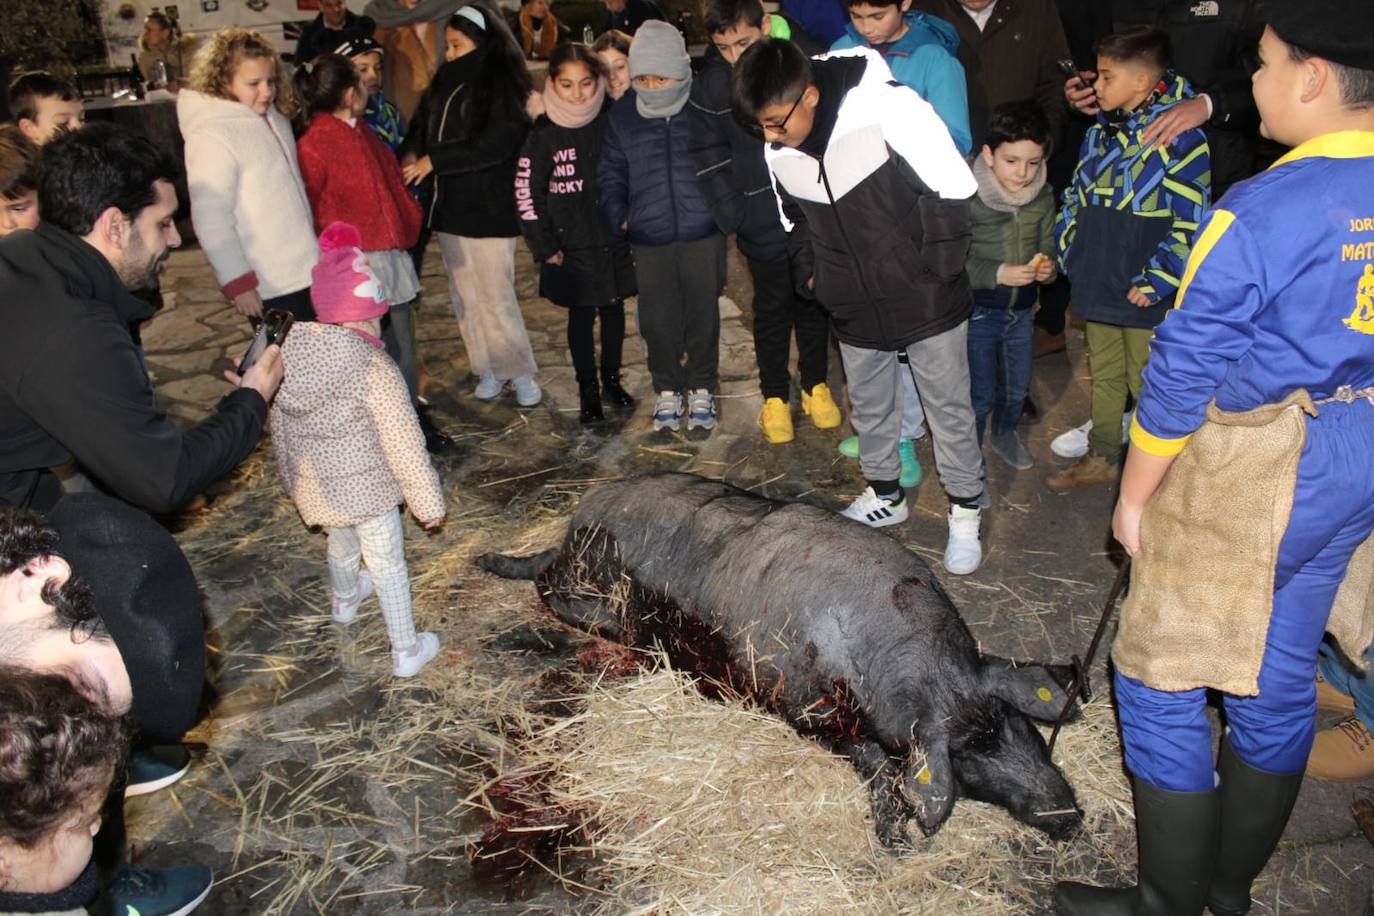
(325, 786)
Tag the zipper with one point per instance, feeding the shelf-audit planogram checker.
(443, 120)
(858, 267)
(672, 198)
(281, 148)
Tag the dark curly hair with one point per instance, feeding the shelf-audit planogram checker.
(58, 752)
(24, 537)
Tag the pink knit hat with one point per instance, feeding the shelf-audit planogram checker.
(343, 286)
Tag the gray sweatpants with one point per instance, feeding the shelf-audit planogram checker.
(939, 367)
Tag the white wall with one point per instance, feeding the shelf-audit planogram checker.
(121, 35)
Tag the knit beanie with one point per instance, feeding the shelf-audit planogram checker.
(343, 286)
(657, 50)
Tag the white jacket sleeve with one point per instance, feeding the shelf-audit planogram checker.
(912, 128)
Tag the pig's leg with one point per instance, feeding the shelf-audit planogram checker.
(890, 809)
(511, 567)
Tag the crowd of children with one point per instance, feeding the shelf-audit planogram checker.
(850, 185)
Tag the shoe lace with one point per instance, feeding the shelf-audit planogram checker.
(963, 523)
(134, 880)
(1356, 731)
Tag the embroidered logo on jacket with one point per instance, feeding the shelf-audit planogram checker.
(1362, 319)
(1206, 8)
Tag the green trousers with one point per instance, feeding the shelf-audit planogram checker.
(1116, 356)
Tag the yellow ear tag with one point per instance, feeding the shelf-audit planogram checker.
(1044, 694)
(924, 776)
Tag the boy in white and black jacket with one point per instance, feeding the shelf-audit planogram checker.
(875, 197)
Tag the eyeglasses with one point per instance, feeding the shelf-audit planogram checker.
(758, 129)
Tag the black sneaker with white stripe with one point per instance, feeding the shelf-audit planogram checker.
(877, 511)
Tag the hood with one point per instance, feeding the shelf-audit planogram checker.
(1173, 88)
(314, 374)
(835, 74)
(196, 110)
(389, 14)
(923, 30)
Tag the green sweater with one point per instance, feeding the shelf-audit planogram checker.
(1004, 233)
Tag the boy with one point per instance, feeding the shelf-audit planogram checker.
(734, 178)
(1263, 311)
(381, 115)
(43, 104)
(649, 192)
(875, 198)
(1127, 224)
(1013, 228)
(18, 181)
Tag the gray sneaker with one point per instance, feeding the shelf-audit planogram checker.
(1010, 449)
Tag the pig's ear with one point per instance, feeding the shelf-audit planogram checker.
(928, 782)
(1039, 691)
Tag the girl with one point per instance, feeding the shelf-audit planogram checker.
(351, 177)
(247, 200)
(613, 48)
(583, 269)
(349, 448)
(467, 132)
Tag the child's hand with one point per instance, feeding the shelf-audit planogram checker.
(1044, 267)
(556, 259)
(417, 171)
(1016, 274)
(431, 524)
(1082, 96)
(1137, 298)
(811, 283)
(248, 303)
(1126, 526)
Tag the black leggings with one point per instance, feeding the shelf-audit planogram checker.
(582, 344)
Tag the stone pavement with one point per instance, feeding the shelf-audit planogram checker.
(327, 787)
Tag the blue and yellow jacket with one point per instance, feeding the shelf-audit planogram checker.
(1278, 294)
(1130, 215)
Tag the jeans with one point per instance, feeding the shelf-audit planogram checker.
(1000, 352)
(1358, 684)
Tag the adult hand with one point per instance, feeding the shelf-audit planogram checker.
(248, 304)
(1126, 525)
(1081, 95)
(1016, 275)
(431, 524)
(1137, 298)
(264, 376)
(1167, 127)
(417, 171)
(556, 259)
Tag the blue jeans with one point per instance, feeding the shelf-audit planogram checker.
(999, 365)
(1357, 684)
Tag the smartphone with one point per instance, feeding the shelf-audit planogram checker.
(271, 330)
(1070, 70)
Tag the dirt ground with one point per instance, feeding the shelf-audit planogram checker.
(324, 785)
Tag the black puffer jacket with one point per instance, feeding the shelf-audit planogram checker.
(474, 164)
(555, 198)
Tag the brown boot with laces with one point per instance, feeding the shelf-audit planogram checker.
(1089, 471)
(1344, 753)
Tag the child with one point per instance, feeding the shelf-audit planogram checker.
(1125, 229)
(613, 48)
(42, 104)
(582, 268)
(468, 132)
(248, 203)
(650, 195)
(735, 180)
(58, 756)
(538, 29)
(875, 197)
(349, 448)
(1013, 228)
(18, 181)
(380, 114)
(1265, 309)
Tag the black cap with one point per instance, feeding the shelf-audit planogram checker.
(354, 46)
(147, 596)
(1341, 31)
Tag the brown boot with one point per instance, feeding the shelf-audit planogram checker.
(1089, 471)
(1344, 753)
(1329, 697)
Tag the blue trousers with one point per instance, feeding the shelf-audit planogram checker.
(1000, 351)
(1167, 736)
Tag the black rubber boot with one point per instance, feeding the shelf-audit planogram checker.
(616, 395)
(589, 395)
(1255, 806)
(1177, 836)
(436, 442)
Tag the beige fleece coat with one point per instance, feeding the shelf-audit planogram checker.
(347, 442)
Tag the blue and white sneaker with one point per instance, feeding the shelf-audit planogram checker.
(877, 511)
(159, 891)
(667, 411)
(701, 409)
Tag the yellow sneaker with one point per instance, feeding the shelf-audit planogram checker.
(821, 407)
(776, 421)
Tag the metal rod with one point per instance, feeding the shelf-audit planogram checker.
(1080, 681)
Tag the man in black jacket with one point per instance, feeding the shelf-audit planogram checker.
(73, 383)
(628, 15)
(335, 24)
(734, 179)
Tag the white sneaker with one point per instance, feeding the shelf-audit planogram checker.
(409, 662)
(344, 611)
(488, 387)
(1074, 443)
(701, 409)
(667, 411)
(527, 392)
(876, 511)
(963, 551)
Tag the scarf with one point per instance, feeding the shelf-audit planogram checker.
(547, 38)
(390, 14)
(997, 197)
(565, 114)
(663, 102)
(72, 897)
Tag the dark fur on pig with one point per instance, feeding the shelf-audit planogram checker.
(832, 625)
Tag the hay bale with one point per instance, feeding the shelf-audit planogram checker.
(703, 806)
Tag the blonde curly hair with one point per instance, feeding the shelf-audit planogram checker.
(215, 63)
